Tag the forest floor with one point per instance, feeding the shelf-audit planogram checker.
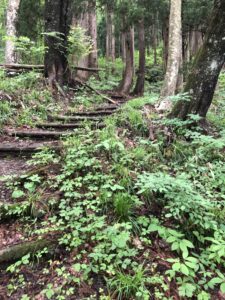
(120, 203)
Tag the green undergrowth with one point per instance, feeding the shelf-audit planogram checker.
(133, 218)
(24, 99)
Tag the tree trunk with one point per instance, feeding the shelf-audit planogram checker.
(140, 84)
(208, 63)
(128, 74)
(11, 16)
(110, 36)
(154, 42)
(174, 56)
(82, 20)
(123, 46)
(93, 56)
(57, 25)
(165, 36)
(196, 42)
(88, 21)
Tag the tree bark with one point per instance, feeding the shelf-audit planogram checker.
(123, 46)
(154, 42)
(196, 42)
(93, 56)
(165, 37)
(128, 74)
(82, 20)
(140, 84)
(110, 35)
(174, 56)
(88, 21)
(207, 65)
(57, 26)
(11, 16)
(14, 252)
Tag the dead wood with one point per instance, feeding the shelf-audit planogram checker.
(14, 252)
(96, 92)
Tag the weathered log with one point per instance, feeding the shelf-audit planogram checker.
(41, 67)
(96, 92)
(38, 134)
(92, 113)
(88, 69)
(22, 150)
(14, 252)
(110, 107)
(66, 126)
(22, 66)
(74, 118)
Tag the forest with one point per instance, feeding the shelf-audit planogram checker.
(112, 149)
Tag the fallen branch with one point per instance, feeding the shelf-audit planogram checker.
(88, 69)
(97, 92)
(21, 66)
(14, 252)
(41, 67)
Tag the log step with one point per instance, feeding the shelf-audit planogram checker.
(110, 107)
(13, 148)
(38, 134)
(66, 126)
(93, 113)
(76, 119)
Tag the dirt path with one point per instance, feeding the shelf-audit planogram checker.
(13, 166)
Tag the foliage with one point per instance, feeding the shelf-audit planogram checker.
(79, 44)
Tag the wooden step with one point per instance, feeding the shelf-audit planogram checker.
(38, 134)
(20, 149)
(110, 107)
(93, 113)
(75, 119)
(67, 126)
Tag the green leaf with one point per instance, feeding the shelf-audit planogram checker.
(175, 246)
(184, 270)
(187, 290)
(49, 293)
(77, 267)
(215, 281)
(184, 249)
(192, 265)
(176, 266)
(188, 243)
(30, 186)
(171, 239)
(17, 194)
(222, 287)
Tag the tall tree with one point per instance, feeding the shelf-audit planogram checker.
(128, 74)
(110, 34)
(81, 18)
(11, 17)
(208, 63)
(174, 55)
(93, 56)
(85, 16)
(140, 84)
(57, 26)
